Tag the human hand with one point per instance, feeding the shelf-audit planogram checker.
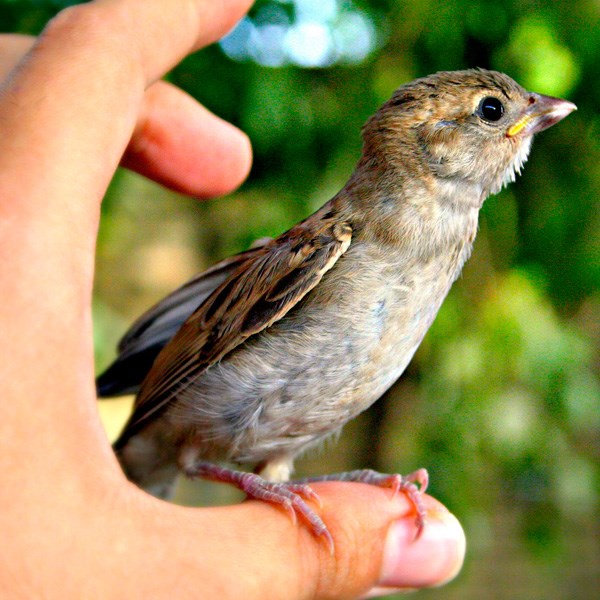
(85, 98)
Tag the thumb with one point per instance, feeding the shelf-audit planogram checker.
(375, 547)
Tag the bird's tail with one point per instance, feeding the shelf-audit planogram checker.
(149, 464)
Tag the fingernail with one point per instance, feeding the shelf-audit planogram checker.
(433, 559)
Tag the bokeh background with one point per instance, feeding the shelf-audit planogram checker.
(502, 401)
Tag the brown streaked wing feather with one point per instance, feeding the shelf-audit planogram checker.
(258, 293)
(144, 340)
(171, 312)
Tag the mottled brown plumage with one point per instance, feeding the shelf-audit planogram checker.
(290, 340)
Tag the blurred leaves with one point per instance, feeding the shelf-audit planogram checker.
(542, 63)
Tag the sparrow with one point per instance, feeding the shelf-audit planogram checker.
(272, 351)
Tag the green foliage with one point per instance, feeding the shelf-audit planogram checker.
(502, 402)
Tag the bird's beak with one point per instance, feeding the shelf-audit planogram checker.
(542, 112)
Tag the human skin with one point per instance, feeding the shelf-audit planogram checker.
(85, 98)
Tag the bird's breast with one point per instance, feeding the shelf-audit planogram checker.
(393, 302)
(326, 361)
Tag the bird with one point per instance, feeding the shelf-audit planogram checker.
(273, 350)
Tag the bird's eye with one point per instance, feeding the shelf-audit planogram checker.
(491, 109)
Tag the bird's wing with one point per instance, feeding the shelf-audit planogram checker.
(142, 343)
(260, 291)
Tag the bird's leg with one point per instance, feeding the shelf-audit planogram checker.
(290, 496)
(413, 485)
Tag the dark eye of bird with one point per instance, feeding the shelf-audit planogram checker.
(491, 109)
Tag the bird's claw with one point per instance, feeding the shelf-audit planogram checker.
(290, 496)
(412, 485)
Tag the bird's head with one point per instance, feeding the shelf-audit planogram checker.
(473, 126)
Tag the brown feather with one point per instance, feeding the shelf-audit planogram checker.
(261, 290)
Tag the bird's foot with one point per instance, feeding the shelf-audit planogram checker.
(413, 485)
(290, 496)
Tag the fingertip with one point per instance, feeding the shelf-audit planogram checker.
(433, 559)
(182, 145)
(218, 18)
(218, 162)
(376, 543)
(229, 167)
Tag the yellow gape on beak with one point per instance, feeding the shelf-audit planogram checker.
(522, 122)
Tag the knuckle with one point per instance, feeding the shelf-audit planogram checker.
(352, 570)
(78, 21)
(97, 37)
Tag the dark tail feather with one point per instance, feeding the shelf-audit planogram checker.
(126, 374)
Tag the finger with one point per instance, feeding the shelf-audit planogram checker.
(375, 547)
(180, 144)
